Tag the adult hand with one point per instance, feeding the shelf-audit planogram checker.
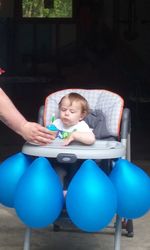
(35, 133)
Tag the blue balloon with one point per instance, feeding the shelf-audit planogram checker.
(91, 198)
(133, 189)
(11, 170)
(39, 196)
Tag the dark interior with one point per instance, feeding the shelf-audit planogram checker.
(105, 44)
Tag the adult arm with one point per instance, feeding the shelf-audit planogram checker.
(30, 131)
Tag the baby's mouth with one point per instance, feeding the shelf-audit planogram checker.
(66, 121)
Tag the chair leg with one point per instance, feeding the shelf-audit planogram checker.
(117, 233)
(56, 228)
(129, 228)
(27, 239)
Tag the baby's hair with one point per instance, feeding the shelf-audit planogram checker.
(78, 98)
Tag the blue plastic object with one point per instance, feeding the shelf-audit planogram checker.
(39, 197)
(91, 198)
(11, 170)
(133, 189)
(52, 127)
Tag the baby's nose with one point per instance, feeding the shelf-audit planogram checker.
(67, 112)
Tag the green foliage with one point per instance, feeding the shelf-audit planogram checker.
(35, 8)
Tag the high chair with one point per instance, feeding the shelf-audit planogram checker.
(114, 143)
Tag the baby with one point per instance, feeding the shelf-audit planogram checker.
(71, 127)
(73, 109)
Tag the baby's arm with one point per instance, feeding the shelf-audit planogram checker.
(87, 138)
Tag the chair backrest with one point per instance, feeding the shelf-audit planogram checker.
(111, 104)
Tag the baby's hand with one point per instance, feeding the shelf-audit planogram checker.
(68, 140)
(87, 138)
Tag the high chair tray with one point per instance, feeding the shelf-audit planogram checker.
(101, 149)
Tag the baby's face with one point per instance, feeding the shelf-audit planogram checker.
(70, 113)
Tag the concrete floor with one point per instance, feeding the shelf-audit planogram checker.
(12, 236)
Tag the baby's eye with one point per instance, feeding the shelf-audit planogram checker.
(72, 111)
(63, 109)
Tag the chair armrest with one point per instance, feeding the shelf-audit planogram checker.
(125, 123)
